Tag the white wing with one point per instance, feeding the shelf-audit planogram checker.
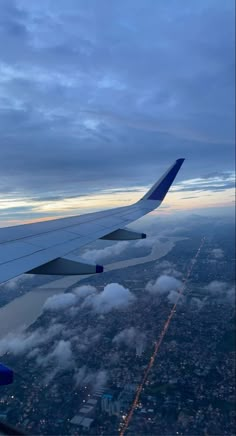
(46, 247)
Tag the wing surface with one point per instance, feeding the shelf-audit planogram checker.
(30, 246)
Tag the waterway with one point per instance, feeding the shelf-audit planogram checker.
(23, 311)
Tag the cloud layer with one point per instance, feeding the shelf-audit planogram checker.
(99, 98)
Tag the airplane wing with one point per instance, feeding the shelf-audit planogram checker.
(47, 247)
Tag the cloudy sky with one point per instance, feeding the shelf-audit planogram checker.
(97, 98)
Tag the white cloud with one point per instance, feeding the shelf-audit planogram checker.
(17, 282)
(105, 253)
(86, 376)
(216, 287)
(84, 340)
(125, 336)
(60, 301)
(223, 290)
(84, 291)
(62, 354)
(131, 337)
(169, 269)
(231, 297)
(172, 272)
(60, 359)
(100, 379)
(80, 376)
(114, 296)
(217, 253)
(197, 302)
(147, 243)
(163, 285)
(165, 264)
(175, 296)
(24, 342)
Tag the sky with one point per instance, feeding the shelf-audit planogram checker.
(98, 98)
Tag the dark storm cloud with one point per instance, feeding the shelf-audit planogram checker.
(105, 94)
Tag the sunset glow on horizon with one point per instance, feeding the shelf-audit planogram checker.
(188, 195)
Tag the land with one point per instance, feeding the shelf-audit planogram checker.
(190, 389)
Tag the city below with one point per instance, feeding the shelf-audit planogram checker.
(88, 366)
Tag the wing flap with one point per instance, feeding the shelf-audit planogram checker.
(67, 266)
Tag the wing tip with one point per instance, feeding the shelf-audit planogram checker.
(180, 160)
(162, 186)
(99, 268)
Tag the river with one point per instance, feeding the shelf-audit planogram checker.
(23, 311)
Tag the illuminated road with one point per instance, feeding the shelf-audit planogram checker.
(158, 343)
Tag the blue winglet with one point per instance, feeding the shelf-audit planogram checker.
(6, 375)
(160, 189)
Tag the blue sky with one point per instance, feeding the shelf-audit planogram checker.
(97, 98)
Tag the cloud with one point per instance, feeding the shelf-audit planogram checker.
(163, 285)
(62, 353)
(147, 243)
(222, 290)
(126, 336)
(197, 302)
(84, 291)
(231, 296)
(131, 337)
(108, 100)
(60, 302)
(213, 183)
(164, 264)
(174, 297)
(61, 357)
(103, 254)
(80, 376)
(122, 247)
(216, 287)
(168, 269)
(100, 379)
(85, 376)
(25, 342)
(17, 282)
(217, 253)
(84, 340)
(114, 296)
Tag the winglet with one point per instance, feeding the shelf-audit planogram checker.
(161, 187)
